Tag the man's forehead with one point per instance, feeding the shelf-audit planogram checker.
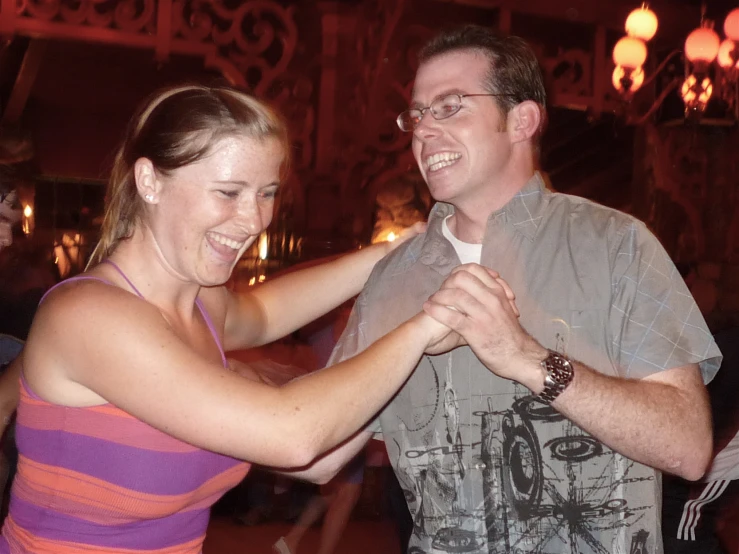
(459, 71)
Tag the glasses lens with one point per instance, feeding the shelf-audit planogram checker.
(446, 107)
(408, 120)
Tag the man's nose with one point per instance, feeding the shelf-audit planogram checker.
(427, 125)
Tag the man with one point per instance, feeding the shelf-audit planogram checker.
(547, 434)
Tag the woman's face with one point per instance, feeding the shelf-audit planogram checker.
(209, 212)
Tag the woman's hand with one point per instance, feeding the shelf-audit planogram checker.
(440, 337)
(407, 233)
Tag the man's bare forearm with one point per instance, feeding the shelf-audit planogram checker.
(662, 421)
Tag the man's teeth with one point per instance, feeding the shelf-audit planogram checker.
(443, 159)
(220, 239)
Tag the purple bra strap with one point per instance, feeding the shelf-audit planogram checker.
(75, 278)
(119, 270)
(199, 304)
(212, 328)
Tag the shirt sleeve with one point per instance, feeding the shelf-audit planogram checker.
(352, 342)
(655, 323)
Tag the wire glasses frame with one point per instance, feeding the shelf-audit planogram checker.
(441, 108)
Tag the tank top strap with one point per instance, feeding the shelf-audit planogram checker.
(125, 277)
(203, 311)
(75, 278)
(212, 328)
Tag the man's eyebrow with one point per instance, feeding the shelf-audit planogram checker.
(446, 92)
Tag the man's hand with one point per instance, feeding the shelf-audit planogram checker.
(479, 305)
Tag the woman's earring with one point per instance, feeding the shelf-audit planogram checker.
(149, 197)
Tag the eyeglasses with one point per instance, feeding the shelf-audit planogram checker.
(441, 108)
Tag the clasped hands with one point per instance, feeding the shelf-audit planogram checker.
(480, 308)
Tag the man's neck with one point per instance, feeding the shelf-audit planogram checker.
(470, 217)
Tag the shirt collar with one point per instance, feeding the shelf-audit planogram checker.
(522, 213)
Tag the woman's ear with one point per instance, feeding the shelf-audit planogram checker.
(147, 182)
(525, 120)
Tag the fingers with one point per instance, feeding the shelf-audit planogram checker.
(478, 281)
(410, 232)
(407, 233)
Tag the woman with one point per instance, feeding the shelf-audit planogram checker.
(130, 424)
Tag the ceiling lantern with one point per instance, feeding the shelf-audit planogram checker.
(702, 45)
(642, 23)
(630, 52)
(725, 52)
(731, 25)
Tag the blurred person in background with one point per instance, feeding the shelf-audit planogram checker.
(10, 341)
(693, 511)
(10, 208)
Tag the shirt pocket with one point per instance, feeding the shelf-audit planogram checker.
(579, 334)
(590, 340)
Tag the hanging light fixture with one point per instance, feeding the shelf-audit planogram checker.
(711, 66)
(630, 52)
(702, 44)
(642, 23)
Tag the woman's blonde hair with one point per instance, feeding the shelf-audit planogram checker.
(175, 127)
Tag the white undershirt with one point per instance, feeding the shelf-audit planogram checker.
(468, 253)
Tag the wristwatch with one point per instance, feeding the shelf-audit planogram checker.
(559, 375)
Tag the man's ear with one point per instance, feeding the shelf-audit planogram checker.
(524, 121)
(147, 182)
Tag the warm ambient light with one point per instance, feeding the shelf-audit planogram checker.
(702, 45)
(391, 237)
(28, 210)
(642, 23)
(263, 246)
(630, 52)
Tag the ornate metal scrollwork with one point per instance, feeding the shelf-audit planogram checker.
(251, 42)
(258, 37)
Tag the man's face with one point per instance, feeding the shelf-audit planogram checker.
(10, 213)
(461, 156)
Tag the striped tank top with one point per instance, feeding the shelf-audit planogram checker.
(97, 479)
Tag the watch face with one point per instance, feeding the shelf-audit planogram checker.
(559, 375)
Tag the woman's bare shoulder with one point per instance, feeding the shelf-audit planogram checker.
(82, 304)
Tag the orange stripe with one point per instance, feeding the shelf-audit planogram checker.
(101, 422)
(97, 500)
(21, 540)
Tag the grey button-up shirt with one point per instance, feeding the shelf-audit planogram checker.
(484, 466)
